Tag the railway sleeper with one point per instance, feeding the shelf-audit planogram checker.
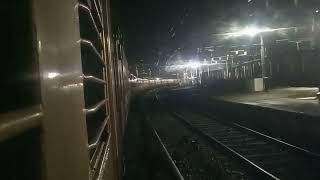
(223, 134)
(270, 155)
(255, 144)
(249, 151)
(235, 141)
(234, 136)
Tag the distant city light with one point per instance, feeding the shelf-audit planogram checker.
(317, 11)
(157, 79)
(192, 64)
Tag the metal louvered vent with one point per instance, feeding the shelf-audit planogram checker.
(95, 84)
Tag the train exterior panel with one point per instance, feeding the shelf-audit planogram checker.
(65, 91)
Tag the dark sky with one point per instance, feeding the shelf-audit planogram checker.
(153, 27)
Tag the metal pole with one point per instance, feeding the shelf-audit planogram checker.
(137, 72)
(263, 70)
(313, 23)
(227, 67)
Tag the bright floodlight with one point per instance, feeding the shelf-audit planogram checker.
(250, 31)
(194, 65)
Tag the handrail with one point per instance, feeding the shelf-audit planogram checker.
(98, 13)
(104, 153)
(98, 146)
(105, 157)
(94, 79)
(90, 44)
(99, 134)
(96, 163)
(16, 122)
(86, 8)
(96, 107)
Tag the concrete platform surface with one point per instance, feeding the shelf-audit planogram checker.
(293, 99)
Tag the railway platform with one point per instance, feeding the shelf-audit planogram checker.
(292, 99)
(290, 113)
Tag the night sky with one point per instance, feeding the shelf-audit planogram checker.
(155, 29)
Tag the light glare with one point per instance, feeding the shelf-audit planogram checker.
(250, 31)
(52, 75)
(194, 65)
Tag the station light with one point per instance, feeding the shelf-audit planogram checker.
(250, 31)
(193, 64)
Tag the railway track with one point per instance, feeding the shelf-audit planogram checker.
(265, 157)
(173, 166)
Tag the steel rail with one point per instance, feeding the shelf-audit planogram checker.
(269, 138)
(262, 171)
(294, 147)
(174, 167)
(164, 149)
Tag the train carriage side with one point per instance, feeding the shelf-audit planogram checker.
(64, 92)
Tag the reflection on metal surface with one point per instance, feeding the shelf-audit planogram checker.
(39, 46)
(17, 122)
(52, 75)
(308, 98)
(77, 85)
(96, 107)
(99, 134)
(64, 134)
(94, 79)
(94, 49)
